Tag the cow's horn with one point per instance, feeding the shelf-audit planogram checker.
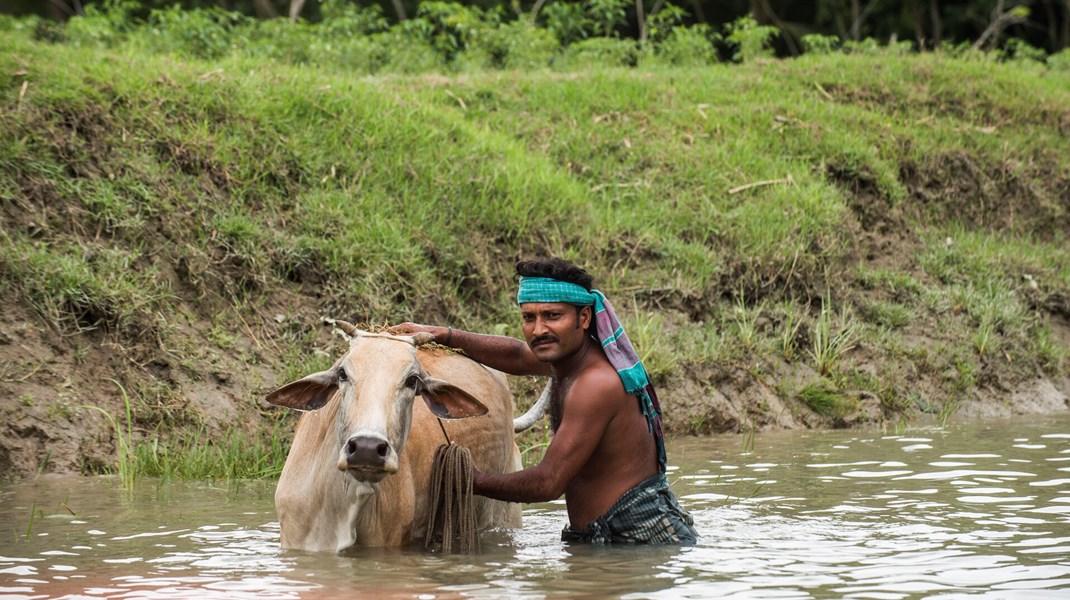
(534, 413)
(349, 328)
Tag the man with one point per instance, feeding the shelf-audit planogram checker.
(607, 455)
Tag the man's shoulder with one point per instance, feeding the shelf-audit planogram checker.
(600, 381)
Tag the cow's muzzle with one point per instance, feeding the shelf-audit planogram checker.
(367, 458)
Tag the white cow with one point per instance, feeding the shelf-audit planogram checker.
(359, 467)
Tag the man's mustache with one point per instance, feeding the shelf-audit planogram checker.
(542, 339)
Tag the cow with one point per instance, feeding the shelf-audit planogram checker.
(358, 470)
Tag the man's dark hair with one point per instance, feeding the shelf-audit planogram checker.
(556, 268)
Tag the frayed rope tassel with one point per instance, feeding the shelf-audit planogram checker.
(452, 519)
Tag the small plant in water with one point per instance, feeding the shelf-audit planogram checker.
(44, 463)
(122, 439)
(747, 441)
(35, 513)
(948, 410)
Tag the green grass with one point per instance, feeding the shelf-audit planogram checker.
(825, 399)
(195, 455)
(834, 335)
(168, 200)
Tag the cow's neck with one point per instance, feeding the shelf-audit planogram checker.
(319, 506)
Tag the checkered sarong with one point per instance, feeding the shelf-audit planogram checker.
(646, 514)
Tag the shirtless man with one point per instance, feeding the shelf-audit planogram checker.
(607, 455)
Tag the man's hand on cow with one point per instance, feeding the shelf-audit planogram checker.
(441, 333)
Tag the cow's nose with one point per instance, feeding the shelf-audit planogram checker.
(367, 451)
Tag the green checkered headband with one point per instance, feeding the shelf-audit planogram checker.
(610, 333)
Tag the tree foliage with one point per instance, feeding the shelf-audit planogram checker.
(927, 24)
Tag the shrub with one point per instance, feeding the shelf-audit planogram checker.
(514, 45)
(32, 25)
(688, 46)
(749, 39)
(1020, 50)
(103, 26)
(661, 24)
(868, 47)
(607, 15)
(343, 19)
(567, 21)
(448, 28)
(399, 51)
(1060, 61)
(606, 52)
(281, 40)
(816, 43)
(198, 33)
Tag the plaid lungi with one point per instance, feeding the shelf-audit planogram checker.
(646, 514)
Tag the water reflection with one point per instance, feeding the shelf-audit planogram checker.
(971, 510)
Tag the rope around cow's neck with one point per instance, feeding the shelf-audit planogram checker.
(452, 514)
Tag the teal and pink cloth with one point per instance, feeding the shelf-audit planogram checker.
(614, 340)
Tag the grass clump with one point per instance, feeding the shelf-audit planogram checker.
(824, 398)
(833, 337)
(194, 455)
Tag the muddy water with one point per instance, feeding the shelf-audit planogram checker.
(969, 510)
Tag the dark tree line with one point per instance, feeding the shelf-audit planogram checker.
(1044, 24)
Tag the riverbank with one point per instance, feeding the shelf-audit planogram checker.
(835, 240)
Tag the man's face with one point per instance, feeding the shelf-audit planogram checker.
(554, 330)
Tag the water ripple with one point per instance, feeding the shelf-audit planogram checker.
(940, 512)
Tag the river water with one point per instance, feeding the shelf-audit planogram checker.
(974, 509)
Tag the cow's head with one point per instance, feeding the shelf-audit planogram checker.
(376, 382)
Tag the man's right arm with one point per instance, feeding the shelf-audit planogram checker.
(503, 353)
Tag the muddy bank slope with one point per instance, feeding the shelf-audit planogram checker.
(830, 241)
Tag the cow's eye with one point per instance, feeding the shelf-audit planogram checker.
(342, 377)
(412, 381)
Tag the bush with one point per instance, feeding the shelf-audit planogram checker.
(1060, 61)
(816, 43)
(448, 28)
(868, 47)
(688, 46)
(661, 24)
(28, 25)
(198, 33)
(605, 52)
(399, 51)
(749, 39)
(343, 19)
(567, 21)
(1020, 50)
(607, 15)
(515, 45)
(103, 26)
(280, 40)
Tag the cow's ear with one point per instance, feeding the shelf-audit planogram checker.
(448, 401)
(307, 393)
